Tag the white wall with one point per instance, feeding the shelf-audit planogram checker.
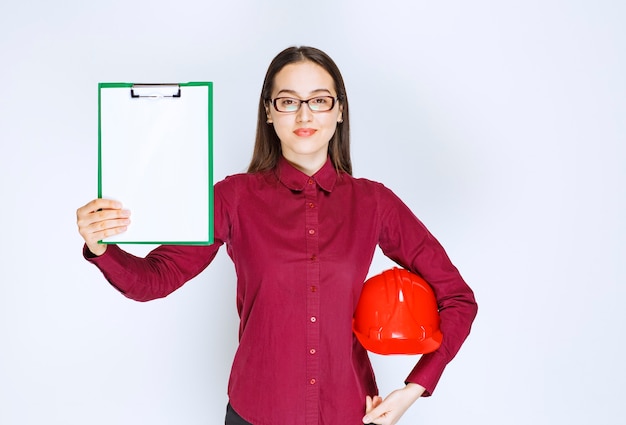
(501, 123)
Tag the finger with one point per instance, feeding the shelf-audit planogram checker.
(93, 231)
(108, 232)
(92, 240)
(372, 402)
(372, 412)
(378, 413)
(376, 401)
(104, 225)
(102, 221)
(98, 204)
(106, 214)
(86, 218)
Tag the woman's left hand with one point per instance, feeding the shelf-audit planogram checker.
(390, 410)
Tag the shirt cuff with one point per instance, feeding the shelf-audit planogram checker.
(427, 372)
(89, 256)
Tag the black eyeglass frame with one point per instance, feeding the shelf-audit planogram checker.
(334, 100)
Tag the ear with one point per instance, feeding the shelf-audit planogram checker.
(267, 114)
(340, 116)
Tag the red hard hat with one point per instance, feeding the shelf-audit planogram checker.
(397, 314)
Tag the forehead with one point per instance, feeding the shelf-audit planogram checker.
(303, 78)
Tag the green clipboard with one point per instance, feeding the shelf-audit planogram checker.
(155, 156)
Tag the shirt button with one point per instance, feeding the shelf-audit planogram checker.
(312, 351)
(313, 257)
(311, 231)
(311, 205)
(313, 288)
(313, 319)
(310, 181)
(312, 381)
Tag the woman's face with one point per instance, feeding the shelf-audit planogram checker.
(304, 135)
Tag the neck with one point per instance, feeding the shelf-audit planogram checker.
(308, 166)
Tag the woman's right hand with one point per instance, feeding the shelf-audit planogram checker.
(100, 219)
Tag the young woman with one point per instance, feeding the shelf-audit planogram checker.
(301, 232)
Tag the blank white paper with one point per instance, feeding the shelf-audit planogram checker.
(155, 160)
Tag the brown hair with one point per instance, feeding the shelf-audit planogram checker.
(267, 149)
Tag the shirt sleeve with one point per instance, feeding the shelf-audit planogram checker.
(161, 272)
(167, 267)
(404, 239)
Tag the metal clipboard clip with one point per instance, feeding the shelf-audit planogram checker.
(154, 91)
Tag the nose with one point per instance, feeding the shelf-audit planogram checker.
(304, 114)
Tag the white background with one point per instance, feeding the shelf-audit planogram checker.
(502, 124)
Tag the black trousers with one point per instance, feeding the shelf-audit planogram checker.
(232, 418)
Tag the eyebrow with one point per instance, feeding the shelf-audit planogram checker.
(293, 92)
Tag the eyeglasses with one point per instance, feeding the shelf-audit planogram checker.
(316, 104)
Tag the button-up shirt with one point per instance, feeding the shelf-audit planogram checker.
(302, 247)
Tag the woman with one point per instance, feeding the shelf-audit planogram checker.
(301, 232)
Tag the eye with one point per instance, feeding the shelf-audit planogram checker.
(321, 101)
(287, 101)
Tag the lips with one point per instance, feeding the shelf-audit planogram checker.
(304, 132)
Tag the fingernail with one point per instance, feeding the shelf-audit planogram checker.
(367, 419)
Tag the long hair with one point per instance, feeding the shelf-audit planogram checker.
(267, 148)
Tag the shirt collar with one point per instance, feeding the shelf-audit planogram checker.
(296, 180)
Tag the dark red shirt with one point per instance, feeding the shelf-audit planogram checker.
(302, 248)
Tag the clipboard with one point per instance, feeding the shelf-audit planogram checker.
(155, 156)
